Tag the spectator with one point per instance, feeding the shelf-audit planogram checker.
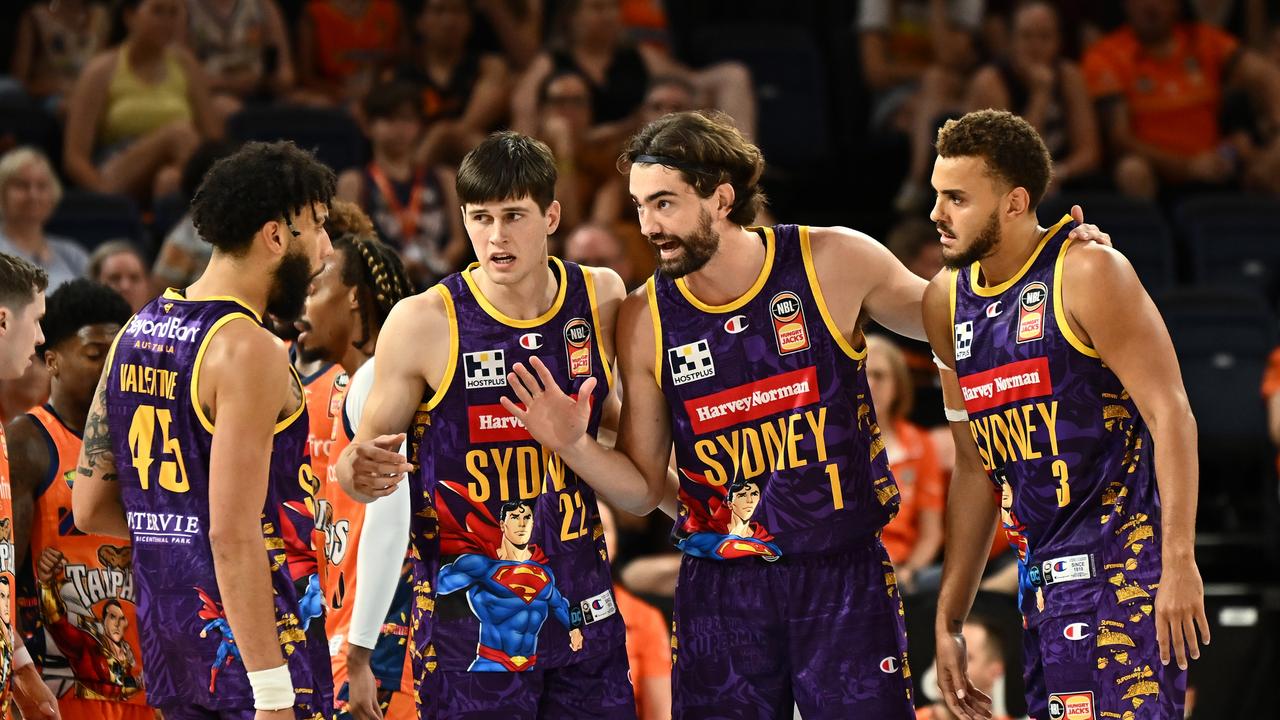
(1161, 82)
(54, 43)
(1041, 85)
(414, 207)
(244, 48)
(668, 94)
(985, 658)
(464, 92)
(914, 536)
(597, 246)
(345, 45)
(511, 27)
(120, 266)
(1271, 393)
(591, 41)
(915, 242)
(140, 108)
(648, 643)
(29, 192)
(183, 255)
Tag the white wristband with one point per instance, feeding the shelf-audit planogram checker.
(954, 415)
(938, 361)
(272, 689)
(21, 659)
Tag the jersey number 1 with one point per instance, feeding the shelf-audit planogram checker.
(142, 432)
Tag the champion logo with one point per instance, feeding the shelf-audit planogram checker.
(994, 309)
(889, 665)
(1060, 566)
(735, 324)
(531, 341)
(1076, 631)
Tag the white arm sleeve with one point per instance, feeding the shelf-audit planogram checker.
(383, 539)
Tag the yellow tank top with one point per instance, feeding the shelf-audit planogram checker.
(136, 107)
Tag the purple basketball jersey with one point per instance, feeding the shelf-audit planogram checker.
(508, 555)
(774, 430)
(1064, 444)
(162, 439)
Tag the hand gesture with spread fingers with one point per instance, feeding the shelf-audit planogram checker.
(553, 419)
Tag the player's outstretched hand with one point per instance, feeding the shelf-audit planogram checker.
(964, 700)
(372, 469)
(1179, 609)
(363, 689)
(553, 419)
(1087, 233)
(32, 696)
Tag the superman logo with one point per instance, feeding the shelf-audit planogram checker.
(737, 547)
(524, 581)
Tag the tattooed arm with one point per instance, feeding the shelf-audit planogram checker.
(95, 496)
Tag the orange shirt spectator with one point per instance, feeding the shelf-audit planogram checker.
(344, 44)
(1173, 101)
(921, 488)
(648, 648)
(1271, 393)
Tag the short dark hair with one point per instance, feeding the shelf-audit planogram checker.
(387, 98)
(78, 304)
(197, 166)
(1011, 147)
(510, 507)
(254, 185)
(374, 269)
(508, 166)
(20, 280)
(741, 484)
(708, 151)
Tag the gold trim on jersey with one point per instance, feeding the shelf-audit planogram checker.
(195, 368)
(769, 251)
(172, 294)
(452, 365)
(595, 320)
(951, 298)
(806, 253)
(498, 315)
(302, 406)
(1059, 315)
(976, 268)
(651, 293)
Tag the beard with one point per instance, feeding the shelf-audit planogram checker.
(289, 286)
(699, 247)
(981, 247)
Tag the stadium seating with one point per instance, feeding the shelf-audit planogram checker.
(1232, 240)
(92, 218)
(1137, 229)
(331, 133)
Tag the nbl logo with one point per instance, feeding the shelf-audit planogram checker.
(577, 346)
(485, 369)
(789, 328)
(691, 362)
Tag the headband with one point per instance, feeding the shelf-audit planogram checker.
(669, 162)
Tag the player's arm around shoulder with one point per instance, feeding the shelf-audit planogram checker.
(416, 350)
(855, 271)
(95, 496)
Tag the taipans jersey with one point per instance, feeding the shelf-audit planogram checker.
(87, 611)
(339, 525)
(775, 433)
(8, 581)
(324, 391)
(476, 463)
(161, 438)
(1062, 441)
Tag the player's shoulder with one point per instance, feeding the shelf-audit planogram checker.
(1096, 267)
(608, 283)
(429, 309)
(837, 246)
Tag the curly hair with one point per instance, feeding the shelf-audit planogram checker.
(708, 151)
(346, 218)
(78, 304)
(508, 166)
(258, 183)
(20, 280)
(374, 269)
(1011, 147)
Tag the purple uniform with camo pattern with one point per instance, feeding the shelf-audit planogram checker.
(785, 592)
(514, 614)
(162, 439)
(1070, 459)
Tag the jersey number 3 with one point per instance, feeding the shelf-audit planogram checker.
(142, 433)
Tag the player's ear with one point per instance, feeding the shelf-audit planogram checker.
(725, 196)
(1017, 202)
(275, 236)
(6, 318)
(553, 217)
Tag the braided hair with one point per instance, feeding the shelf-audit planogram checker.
(375, 270)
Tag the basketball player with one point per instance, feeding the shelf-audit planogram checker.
(22, 286)
(346, 307)
(79, 577)
(198, 421)
(1077, 423)
(514, 614)
(744, 351)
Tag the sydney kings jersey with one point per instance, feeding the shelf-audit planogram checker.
(162, 438)
(87, 604)
(1061, 440)
(775, 433)
(508, 553)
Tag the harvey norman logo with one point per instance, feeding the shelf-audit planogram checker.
(492, 423)
(170, 328)
(1015, 381)
(753, 400)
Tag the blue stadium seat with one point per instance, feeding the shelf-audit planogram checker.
(1233, 241)
(1137, 228)
(92, 218)
(332, 134)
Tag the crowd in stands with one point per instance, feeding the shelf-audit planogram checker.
(1152, 100)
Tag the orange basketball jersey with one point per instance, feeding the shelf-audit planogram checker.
(8, 601)
(87, 597)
